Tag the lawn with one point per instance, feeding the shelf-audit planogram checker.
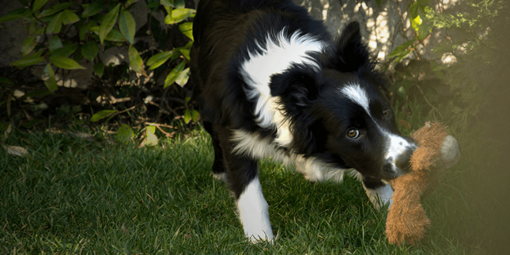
(73, 195)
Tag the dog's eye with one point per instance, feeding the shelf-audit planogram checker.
(386, 112)
(353, 133)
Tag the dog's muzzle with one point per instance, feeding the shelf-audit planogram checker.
(398, 157)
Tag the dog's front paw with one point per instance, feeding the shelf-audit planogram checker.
(260, 236)
(381, 197)
(222, 177)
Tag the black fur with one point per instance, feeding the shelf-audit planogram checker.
(227, 31)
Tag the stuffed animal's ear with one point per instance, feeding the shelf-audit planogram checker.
(350, 53)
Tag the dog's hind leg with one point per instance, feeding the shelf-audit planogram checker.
(219, 171)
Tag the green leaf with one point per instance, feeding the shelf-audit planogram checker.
(186, 29)
(413, 9)
(101, 115)
(108, 22)
(115, 36)
(178, 15)
(167, 3)
(183, 77)
(55, 24)
(416, 22)
(69, 17)
(7, 81)
(55, 43)
(135, 61)
(37, 31)
(28, 45)
(187, 116)
(172, 76)
(48, 76)
(378, 2)
(31, 28)
(93, 9)
(185, 53)
(15, 14)
(29, 60)
(99, 69)
(38, 93)
(65, 63)
(56, 8)
(125, 134)
(401, 91)
(38, 4)
(195, 115)
(77, 56)
(89, 50)
(179, 3)
(160, 58)
(419, 11)
(127, 25)
(152, 4)
(403, 55)
(65, 51)
(84, 29)
(401, 49)
(150, 138)
(130, 2)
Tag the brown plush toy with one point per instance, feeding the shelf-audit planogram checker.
(436, 151)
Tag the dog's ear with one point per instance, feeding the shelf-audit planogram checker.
(350, 54)
(296, 86)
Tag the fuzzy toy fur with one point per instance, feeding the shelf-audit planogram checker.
(406, 218)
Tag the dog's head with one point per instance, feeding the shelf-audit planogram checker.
(338, 114)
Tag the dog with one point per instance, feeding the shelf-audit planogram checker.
(271, 82)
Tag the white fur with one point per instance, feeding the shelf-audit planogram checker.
(357, 95)
(254, 214)
(283, 135)
(276, 57)
(221, 177)
(316, 171)
(252, 144)
(380, 196)
(397, 146)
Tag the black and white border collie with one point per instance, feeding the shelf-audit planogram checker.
(272, 83)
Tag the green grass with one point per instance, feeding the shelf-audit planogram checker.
(75, 196)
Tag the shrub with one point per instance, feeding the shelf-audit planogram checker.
(62, 35)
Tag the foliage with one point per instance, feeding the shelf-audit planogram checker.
(474, 47)
(420, 16)
(470, 94)
(66, 35)
(450, 95)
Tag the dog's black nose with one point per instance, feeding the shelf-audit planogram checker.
(402, 161)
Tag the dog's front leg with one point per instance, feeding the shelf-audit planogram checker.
(244, 183)
(253, 213)
(378, 192)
